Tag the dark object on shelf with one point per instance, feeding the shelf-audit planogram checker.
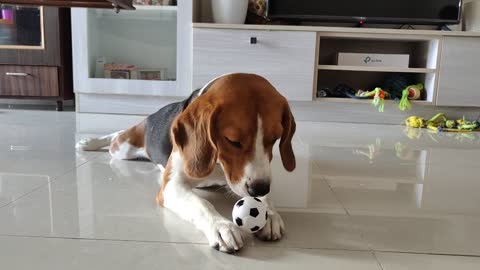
(395, 83)
(257, 14)
(360, 23)
(44, 74)
(405, 26)
(444, 27)
(343, 90)
(324, 92)
(340, 91)
(257, 7)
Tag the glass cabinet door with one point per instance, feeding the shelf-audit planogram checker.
(133, 45)
(21, 27)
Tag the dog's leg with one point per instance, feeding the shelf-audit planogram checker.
(275, 228)
(93, 144)
(178, 196)
(125, 169)
(127, 144)
(221, 233)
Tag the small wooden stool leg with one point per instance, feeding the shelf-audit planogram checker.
(59, 105)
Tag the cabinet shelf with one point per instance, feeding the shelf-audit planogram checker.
(376, 69)
(131, 87)
(164, 8)
(148, 13)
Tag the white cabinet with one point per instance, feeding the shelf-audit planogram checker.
(156, 39)
(285, 58)
(459, 78)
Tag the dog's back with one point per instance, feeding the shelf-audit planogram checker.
(157, 129)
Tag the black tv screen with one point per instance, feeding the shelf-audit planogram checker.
(369, 11)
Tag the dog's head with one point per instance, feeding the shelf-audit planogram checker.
(236, 122)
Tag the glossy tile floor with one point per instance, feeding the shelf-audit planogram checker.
(362, 197)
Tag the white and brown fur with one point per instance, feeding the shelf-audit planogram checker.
(231, 125)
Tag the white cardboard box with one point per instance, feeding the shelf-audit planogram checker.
(373, 60)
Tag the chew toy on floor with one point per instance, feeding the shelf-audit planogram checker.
(440, 123)
(250, 214)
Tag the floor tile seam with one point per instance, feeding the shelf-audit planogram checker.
(362, 232)
(427, 253)
(261, 245)
(324, 179)
(410, 213)
(356, 123)
(377, 260)
(24, 195)
(176, 242)
(53, 179)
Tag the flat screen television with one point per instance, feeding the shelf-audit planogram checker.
(430, 12)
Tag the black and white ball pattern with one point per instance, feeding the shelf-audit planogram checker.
(250, 214)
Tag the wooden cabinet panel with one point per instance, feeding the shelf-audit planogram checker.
(124, 4)
(32, 81)
(44, 72)
(54, 43)
(459, 72)
(285, 58)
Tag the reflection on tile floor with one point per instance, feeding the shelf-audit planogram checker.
(362, 197)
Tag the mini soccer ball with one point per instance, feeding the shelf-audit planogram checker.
(250, 214)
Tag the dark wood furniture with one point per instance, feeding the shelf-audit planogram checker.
(40, 72)
(44, 71)
(117, 4)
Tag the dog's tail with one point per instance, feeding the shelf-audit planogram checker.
(93, 144)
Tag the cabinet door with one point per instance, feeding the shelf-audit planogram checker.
(285, 58)
(459, 72)
(33, 36)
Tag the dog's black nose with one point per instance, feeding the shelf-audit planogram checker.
(258, 188)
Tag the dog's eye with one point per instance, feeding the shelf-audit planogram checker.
(233, 143)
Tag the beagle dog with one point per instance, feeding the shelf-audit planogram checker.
(229, 126)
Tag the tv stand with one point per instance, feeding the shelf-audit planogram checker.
(444, 27)
(406, 26)
(298, 60)
(360, 24)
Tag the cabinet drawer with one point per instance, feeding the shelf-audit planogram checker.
(285, 58)
(32, 81)
(459, 69)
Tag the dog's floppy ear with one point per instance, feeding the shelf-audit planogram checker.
(286, 151)
(193, 133)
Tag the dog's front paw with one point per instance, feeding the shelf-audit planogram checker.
(225, 236)
(274, 229)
